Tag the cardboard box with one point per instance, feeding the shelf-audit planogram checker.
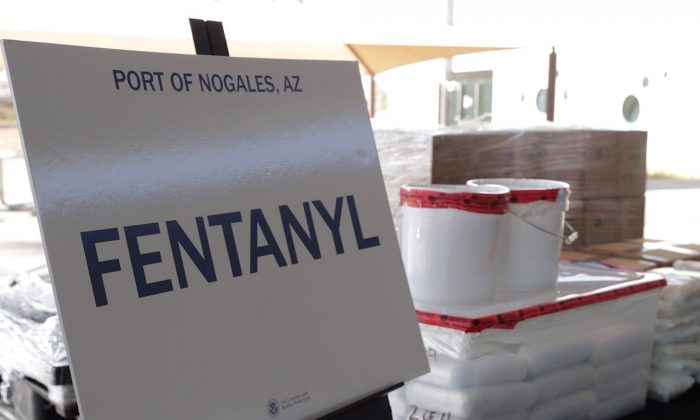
(617, 263)
(601, 221)
(597, 163)
(628, 264)
(657, 252)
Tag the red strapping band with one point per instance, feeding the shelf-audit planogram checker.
(530, 196)
(472, 202)
(508, 320)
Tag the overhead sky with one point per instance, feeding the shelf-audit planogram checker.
(658, 24)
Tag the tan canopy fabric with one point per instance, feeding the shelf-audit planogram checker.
(373, 59)
(378, 58)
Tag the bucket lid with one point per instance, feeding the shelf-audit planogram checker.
(528, 190)
(484, 199)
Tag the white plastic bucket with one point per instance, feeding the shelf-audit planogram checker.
(532, 234)
(449, 241)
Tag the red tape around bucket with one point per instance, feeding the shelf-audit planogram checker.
(508, 320)
(472, 202)
(530, 196)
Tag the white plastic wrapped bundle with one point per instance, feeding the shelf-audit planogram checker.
(674, 309)
(676, 360)
(678, 350)
(486, 370)
(488, 400)
(587, 350)
(683, 286)
(664, 386)
(684, 334)
(418, 413)
(607, 390)
(570, 407)
(677, 364)
(611, 371)
(620, 405)
(564, 381)
(684, 265)
(554, 354)
(30, 335)
(399, 404)
(619, 341)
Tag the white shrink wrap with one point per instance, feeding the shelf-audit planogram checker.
(574, 406)
(620, 405)
(619, 341)
(664, 386)
(564, 381)
(486, 370)
(612, 371)
(484, 401)
(591, 341)
(547, 356)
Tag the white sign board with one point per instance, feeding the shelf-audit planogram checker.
(217, 230)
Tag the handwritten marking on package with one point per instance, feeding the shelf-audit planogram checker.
(264, 242)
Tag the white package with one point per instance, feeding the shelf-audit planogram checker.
(554, 354)
(678, 335)
(398, 402)
(664, 386)
(682, 285)
(564, 381)
(685, 265)
(669, 323)
(474, 401)
(486, 370)
(551, 337)
(619, 405)
(569, 407)
(617, 342)
(678, 350)
(614, 370)
(675, 309)
(632, 380)
(672, 364)
(417, 413)
(447, 344)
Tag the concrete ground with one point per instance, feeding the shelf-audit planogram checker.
(673, 210)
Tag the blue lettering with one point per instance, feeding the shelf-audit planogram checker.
(119, 77)
(98, 268)
(204, 83)
(362, 242)
(309, 239)
(204, 262)
(258, 222)
(139, 260)
(226, 220)
(333, 223)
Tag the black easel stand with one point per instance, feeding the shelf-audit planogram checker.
(209, 39)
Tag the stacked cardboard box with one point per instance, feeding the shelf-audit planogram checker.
(606, 170)
(659, 252)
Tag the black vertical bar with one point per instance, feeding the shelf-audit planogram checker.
(217, 38)
(375, 407)
(200, 36)
(551, 85)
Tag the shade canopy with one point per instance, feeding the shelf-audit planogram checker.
(378, 58)
(373, 59)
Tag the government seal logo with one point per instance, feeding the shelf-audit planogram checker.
(273, 408)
